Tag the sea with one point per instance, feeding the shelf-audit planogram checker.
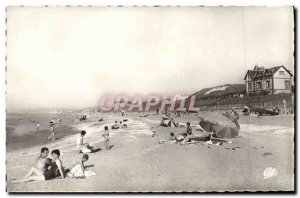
(21, 129)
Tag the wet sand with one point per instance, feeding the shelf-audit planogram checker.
(137, 162)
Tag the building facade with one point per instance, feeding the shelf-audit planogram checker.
(263, 81)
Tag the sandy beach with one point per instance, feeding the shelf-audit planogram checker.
(263, 142)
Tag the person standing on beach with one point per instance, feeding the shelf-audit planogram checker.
(52, 131)
(37, 126)
(106, 138)
(154, 133)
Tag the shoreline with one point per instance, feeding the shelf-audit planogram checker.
(37, 138)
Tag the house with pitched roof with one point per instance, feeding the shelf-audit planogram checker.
(268, 81)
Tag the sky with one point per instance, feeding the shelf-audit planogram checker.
(68, 57)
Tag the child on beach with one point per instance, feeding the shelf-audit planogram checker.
(52, 131)
(154, 133)
(84, 148)
(189, 129)
(106, 138)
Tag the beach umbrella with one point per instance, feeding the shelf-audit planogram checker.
(207, 126)
(225, 132)
(220, 124)
(232, 118)
(165, 117)
(168, 123)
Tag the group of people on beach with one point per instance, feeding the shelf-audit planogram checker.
(52, 125)
(181, 139)
(86, 148)
(117, 125)
(47, 168)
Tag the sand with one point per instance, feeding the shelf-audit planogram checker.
(137, 162)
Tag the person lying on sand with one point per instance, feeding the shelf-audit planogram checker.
(187, 140)
(42, 164)
(123, 125)
(106, 138)
(84, 148)
(172, 140)
(77, 170)
(56, 169)
(115, 126)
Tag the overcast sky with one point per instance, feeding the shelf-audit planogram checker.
(69, 57)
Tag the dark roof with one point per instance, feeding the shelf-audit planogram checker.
(264, 72)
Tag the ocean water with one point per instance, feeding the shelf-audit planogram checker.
(21, 130)
(25, 121)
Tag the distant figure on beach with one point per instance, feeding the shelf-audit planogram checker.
(236, 114)
(115, 126)
(77, 170)
(42, 163)
(189, 129)
(106, 138)
(37, 126)
(154, 133)
(157, 111)
(123, 125)
(84, 148)
(56, 170)
(52, 131)
(122, 111)
(172, 140)
(52, 120)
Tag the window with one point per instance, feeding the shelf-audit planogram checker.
(287, 84)
(249, 86)
(268, 84)
(258, 85)
(281, 73)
